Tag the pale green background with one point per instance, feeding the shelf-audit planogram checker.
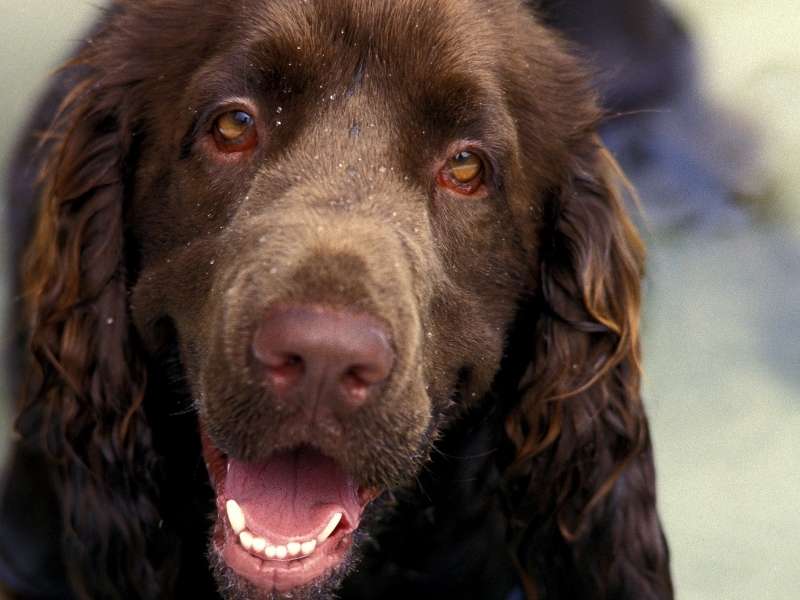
(722, 321)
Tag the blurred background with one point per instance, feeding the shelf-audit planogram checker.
(722, 314)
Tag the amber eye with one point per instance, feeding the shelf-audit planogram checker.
(463, 173)
(465, 166)
(235, 131)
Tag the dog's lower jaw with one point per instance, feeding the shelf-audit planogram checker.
(231, 585)
(242, 576)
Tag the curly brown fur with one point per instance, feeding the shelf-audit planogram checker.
(509, 442)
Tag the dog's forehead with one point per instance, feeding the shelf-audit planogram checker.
(411, 39)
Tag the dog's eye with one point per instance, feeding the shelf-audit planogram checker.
(235, 131)
(463, 173)
(465, 167)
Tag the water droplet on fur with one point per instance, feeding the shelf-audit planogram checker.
(279, 110)
(273, 270)
(382, 170)
(211, 262)
(110, 321)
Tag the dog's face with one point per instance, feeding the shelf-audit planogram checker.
(336, 206)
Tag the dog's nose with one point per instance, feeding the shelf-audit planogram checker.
(334, 358)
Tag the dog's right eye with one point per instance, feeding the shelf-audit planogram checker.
(463, 173)
(465, 167)
(235, 131)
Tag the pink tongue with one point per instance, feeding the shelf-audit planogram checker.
(293, 494)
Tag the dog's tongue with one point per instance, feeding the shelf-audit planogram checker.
(293, 494)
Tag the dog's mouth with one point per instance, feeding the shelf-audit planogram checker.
(286, 522)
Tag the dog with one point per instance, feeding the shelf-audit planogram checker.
(327, 299)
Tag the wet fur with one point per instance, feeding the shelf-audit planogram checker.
(511, 436)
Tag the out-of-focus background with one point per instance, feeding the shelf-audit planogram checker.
(722, 316)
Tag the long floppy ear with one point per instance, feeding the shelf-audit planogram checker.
(582, 481)
(87, 383)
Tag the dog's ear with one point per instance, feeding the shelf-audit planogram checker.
(580, 439)
(87, 382)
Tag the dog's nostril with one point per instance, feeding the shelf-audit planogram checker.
(357, 381)
(355, 388)
(284, 371)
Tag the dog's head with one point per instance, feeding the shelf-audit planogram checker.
(335, 212)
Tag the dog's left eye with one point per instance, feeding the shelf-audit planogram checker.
(235, 131)
(463, 173)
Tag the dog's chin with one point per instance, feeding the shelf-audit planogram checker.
(284, 527)
(233, 585)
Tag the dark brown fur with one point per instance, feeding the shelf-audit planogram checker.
(514, 317)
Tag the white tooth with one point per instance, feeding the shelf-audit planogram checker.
(326, 533)
(308, 547)
(293, 548)
(247, 539)
(259, 544)
(235, 516)
(270, 551)
(280, 552)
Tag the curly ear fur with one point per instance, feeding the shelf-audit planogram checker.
(582, 479)
(87, 384)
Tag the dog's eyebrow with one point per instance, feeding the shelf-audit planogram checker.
(457, 101)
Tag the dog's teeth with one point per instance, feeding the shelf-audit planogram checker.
(326, 533)
(308, 547)
(235, 516)
(293, 548)
(246, 538)
(280, 551)
(259, 544)
(270, 551)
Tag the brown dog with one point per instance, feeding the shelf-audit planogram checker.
(375, 248)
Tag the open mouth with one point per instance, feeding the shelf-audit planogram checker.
(285, 522)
